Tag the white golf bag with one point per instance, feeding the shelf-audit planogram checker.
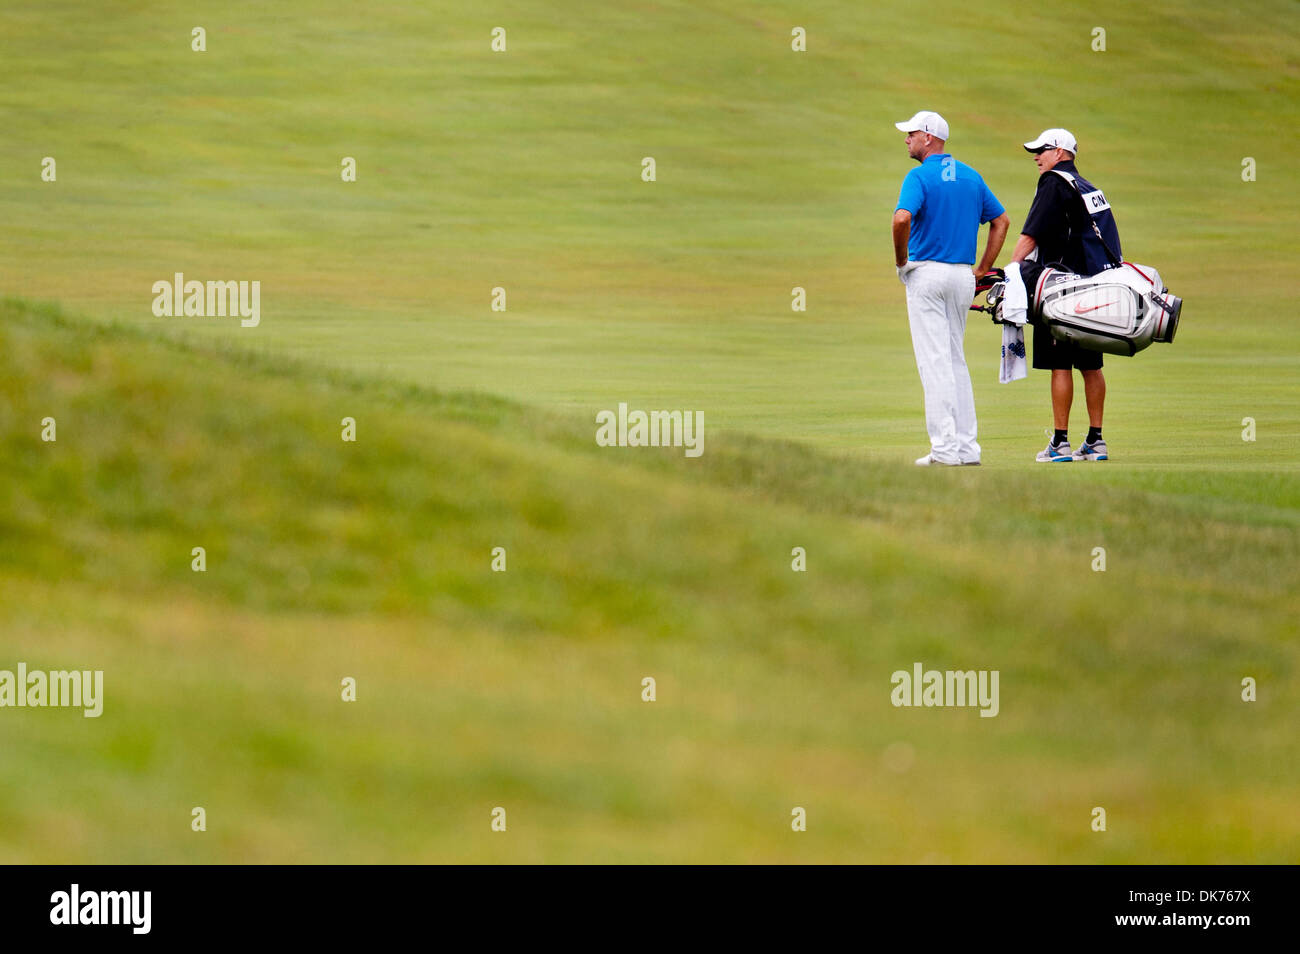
(1119, 311)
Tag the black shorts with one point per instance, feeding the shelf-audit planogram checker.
(1050, 354)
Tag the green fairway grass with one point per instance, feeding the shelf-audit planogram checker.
(522, 170)
(775, 169)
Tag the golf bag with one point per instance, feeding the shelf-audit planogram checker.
(1119, 311)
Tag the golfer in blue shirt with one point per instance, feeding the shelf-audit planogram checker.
(940, 209)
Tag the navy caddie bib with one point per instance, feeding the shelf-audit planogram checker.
(1101, 249)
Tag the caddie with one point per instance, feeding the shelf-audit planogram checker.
(941, 207)
(1070, 224)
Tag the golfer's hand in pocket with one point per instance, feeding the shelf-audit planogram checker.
(904, 270)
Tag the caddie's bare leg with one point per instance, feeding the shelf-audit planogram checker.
(1094, 391)
(1062, 397)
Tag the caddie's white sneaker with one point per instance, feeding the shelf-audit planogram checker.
(1094, 451)
(1055, 453)
(929, 460)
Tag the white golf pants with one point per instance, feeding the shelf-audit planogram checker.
(939, 295)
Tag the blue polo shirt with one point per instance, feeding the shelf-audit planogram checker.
(949, 202)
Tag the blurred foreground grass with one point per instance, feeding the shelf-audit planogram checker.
(522, 689)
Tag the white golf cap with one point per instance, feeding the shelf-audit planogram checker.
(1053, 139)
(926, 122)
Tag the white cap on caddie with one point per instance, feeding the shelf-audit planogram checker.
(926, 122)
(1053, 139)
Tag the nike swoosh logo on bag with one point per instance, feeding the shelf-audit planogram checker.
(1084, 311)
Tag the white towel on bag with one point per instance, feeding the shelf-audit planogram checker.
(1015, 309)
